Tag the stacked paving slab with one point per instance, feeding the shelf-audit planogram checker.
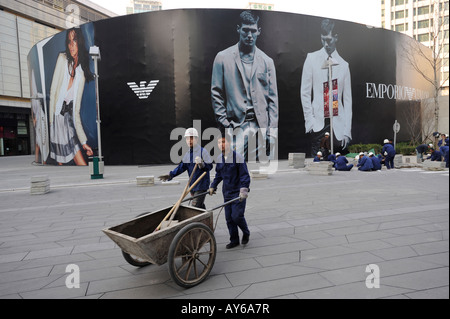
(297, 160)
(40, 185)
(145, 180)
(320, 168)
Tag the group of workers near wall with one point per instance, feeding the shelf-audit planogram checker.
(372, 162)
(366, 163)
(231, 169)
(441, 153)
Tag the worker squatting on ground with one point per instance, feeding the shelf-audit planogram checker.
(231, 169)
(318, 157)
(435, 155)
(364, 163)
(375, 161)
(196, 155)
(341, 163)
(388, 151)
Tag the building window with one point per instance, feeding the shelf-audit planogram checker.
(400, 27)
(423, 24)
(423, 10)
(423, 37)
(399, 14)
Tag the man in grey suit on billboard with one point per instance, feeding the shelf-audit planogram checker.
(314, 92)
(244, 91)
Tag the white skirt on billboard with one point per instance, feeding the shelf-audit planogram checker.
(64, 143)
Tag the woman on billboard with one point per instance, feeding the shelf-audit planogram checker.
(67, 136)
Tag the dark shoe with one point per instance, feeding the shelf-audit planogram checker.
(245, 239)
(231, 245)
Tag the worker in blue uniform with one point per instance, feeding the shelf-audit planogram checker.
(443, 141)
(364, 163)
(444, 150)
(318, 157)
(388, 151)
(375, 161)
(196, 155)
(231, 169)
(435, 155)
(332, 158)
(422, 149)
(341, 163)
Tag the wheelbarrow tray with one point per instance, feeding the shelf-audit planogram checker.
(137, 237)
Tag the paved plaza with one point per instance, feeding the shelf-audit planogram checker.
(311, 236)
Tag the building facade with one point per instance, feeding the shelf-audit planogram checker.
(22, 25)
(260, 6)
(139, 6)
(421, 20)
(427, 21)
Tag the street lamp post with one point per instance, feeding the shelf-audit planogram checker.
(97, 167)
(328, 64)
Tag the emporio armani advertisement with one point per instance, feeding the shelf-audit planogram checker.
(289, 77)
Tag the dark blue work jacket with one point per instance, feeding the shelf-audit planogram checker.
(389, 148)
(376, 163)
(422, 148)
(188, 163)
(341, 162)
(436, 156)
(234, 174)
(365, 164)
(440, 142)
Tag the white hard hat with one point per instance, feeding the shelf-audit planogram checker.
(370, 154)
(430, 145)
(386, 141)
(319, 153)
(361, 153)
(327, 133)
(191, 132)
(338, 154)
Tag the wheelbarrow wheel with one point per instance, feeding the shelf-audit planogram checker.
(134, 260)
(192, 254)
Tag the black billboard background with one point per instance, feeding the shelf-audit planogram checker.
(178, 47)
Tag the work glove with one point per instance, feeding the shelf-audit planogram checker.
(199, 162)
(212, 191)
(243, 194)
(164, 178)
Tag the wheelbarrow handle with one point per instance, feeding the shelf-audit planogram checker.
(191, 198)
(225, 204)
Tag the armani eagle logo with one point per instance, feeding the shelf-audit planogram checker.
(143, 90)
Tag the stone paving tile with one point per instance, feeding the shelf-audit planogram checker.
(146, 292)
(284, 286)
(267, 274)
(34, 286)
(420, 280)
(433, 293)
(222, 293)
(352, 291)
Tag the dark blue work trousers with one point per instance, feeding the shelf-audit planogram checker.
(389, 161)
(234, 215)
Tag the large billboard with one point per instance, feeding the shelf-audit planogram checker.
(259, 71)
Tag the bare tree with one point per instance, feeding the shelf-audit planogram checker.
(418, 56)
